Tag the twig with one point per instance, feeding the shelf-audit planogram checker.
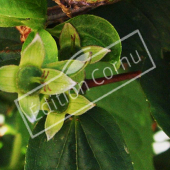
(70, 8)
(90, 83)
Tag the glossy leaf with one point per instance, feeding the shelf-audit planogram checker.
(8, 75)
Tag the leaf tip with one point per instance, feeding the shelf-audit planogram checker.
(49, 137)
(31, 119)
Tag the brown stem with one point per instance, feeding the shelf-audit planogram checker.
(71, 8)
(90, 83)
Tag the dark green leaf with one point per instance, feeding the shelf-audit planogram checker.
(91, 141)
(129, 107)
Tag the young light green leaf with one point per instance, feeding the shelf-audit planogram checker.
(51, 50)
(34, 53)
(97, 53)
(68, 36)
(78, 105)
(56, 121)
(56, 82)
(8, 75)
(30, 106)
(10, 21)
(23, 8)
(35, 24)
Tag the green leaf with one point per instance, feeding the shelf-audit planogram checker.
(23, 8)
(19, 13)
(6, 21)
(78, 105)
(56, 82)
(91, 141)
(30, 106)
(51, 51)
(35, 24)
(8, 75)
(129, 107)
(94, 30)
(97, 53)
(69, 36)
(34, 53)
(51, 120)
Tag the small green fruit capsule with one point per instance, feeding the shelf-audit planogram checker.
(29, 77)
